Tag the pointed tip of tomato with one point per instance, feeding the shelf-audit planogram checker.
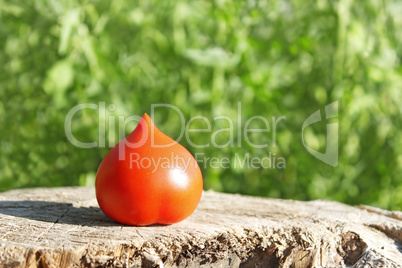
(148, 120)
(146, 117)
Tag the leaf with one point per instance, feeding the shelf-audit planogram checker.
(213, 57)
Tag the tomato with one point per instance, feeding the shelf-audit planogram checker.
(148, 178)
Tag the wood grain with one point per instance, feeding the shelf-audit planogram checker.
(64, 227)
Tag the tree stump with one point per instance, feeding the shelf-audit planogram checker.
(64, 227)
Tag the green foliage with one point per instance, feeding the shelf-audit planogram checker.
(278, 57)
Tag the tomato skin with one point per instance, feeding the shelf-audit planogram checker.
(138, 190)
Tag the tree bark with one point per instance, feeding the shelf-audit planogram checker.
(64, 227)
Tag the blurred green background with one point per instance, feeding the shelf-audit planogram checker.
(278, 57)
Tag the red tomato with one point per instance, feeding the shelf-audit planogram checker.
(140, 183)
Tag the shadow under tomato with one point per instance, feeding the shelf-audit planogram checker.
(62, 213)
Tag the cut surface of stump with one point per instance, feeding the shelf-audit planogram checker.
(64, 227)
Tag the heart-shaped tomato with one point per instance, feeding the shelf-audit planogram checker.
(148, 178)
